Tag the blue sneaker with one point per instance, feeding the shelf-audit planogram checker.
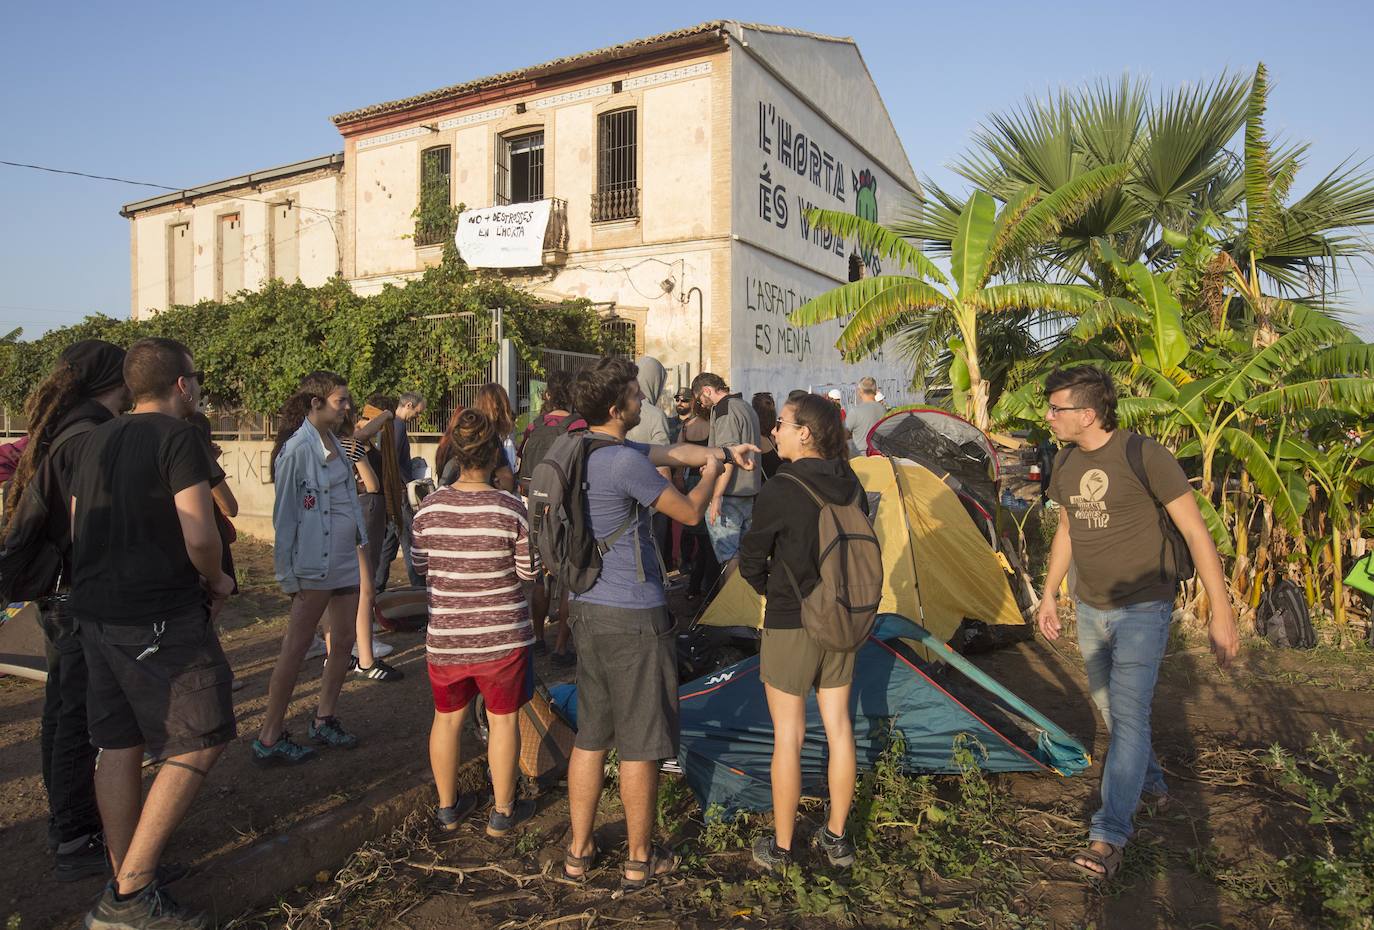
(329, 732)
(499, 824)
(285, 751)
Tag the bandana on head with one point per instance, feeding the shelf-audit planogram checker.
(99, 365)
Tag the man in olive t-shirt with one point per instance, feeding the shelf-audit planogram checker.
(1109, 528)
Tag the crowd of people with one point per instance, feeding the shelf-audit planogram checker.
(139, 515)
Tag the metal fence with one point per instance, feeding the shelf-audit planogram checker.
(470, 332)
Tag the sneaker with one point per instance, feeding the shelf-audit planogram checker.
(380, 650)
(151, 909)
(769, 855)
(85, 859)
(838, 849)
(285, 751)
(317, 649)
(329, 732)
(499, 824)
(378, 671)
(447, 819)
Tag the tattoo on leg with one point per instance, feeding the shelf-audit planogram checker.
(190, 768)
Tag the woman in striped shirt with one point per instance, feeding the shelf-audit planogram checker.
(471, 542)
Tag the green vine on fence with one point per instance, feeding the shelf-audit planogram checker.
(254, 346)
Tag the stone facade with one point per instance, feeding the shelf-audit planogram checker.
(737, 130)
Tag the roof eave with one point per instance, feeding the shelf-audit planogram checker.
(366, 118)
(334, 160)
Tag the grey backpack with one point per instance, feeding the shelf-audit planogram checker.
(840, 610)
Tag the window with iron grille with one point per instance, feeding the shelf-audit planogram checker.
(520, 168)
(617, 174)
(434, 217)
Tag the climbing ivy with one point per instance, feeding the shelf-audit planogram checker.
(255, 346)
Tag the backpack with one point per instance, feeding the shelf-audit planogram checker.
(30, 562)
(840, 610)
(560, 524)
(537, 443)
(1175, 559)
(1283, 619)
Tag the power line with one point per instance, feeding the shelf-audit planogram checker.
(191, 191)
(95, 177)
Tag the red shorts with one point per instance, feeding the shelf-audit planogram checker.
(506, 683)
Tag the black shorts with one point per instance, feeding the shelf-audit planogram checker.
(626, 681)
(175, 700)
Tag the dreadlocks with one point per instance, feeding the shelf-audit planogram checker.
(46, 407)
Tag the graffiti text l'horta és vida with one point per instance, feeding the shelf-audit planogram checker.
(794, 153)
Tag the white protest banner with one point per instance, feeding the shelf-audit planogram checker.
(510, 236)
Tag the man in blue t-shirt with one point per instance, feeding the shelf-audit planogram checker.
(625, 638)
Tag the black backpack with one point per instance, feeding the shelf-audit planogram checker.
(30, 561)
(538, 442)
(1283, 619)
(560, 523)
(1175, 559)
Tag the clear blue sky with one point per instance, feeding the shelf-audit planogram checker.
(186, 93)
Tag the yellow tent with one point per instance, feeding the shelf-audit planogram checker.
(937, 567)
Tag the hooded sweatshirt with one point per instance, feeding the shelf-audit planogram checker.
(653, 422)
(785, 530)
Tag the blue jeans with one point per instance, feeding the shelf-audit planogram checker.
(1122, 648)
(736, 515)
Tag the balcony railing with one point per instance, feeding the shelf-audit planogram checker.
(556, 235)
(611, 205)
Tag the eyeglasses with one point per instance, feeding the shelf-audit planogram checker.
(1051, 410)
(198, 375)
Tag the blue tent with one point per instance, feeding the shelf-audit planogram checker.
(727, 736)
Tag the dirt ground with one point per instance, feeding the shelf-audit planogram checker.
(1207, 725)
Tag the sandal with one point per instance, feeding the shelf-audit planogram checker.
(585, 863)
(662, 861)
(1098, 866)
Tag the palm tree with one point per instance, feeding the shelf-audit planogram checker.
(1182, 168)
(982, 242)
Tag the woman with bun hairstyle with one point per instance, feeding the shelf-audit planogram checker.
(812, 442)
(471, 542)
(318, 526)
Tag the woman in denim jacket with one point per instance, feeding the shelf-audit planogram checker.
(318, 526)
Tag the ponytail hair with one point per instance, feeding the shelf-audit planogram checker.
(317, 384)
(822, 418)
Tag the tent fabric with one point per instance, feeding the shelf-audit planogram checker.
(937, 567)
(727, 735)
(947, 444)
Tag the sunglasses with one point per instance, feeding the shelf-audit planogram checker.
(198, 375)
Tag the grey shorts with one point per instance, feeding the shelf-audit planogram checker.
(791, 661)
(626, 681)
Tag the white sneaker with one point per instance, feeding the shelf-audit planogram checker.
(377, 627)
(380, 650)
(317, 649)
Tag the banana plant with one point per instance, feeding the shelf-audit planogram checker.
(982, 241)
(1344, 471)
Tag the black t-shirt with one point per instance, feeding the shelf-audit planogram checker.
(129, 557)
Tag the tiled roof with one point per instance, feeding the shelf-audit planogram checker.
(557, 65)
